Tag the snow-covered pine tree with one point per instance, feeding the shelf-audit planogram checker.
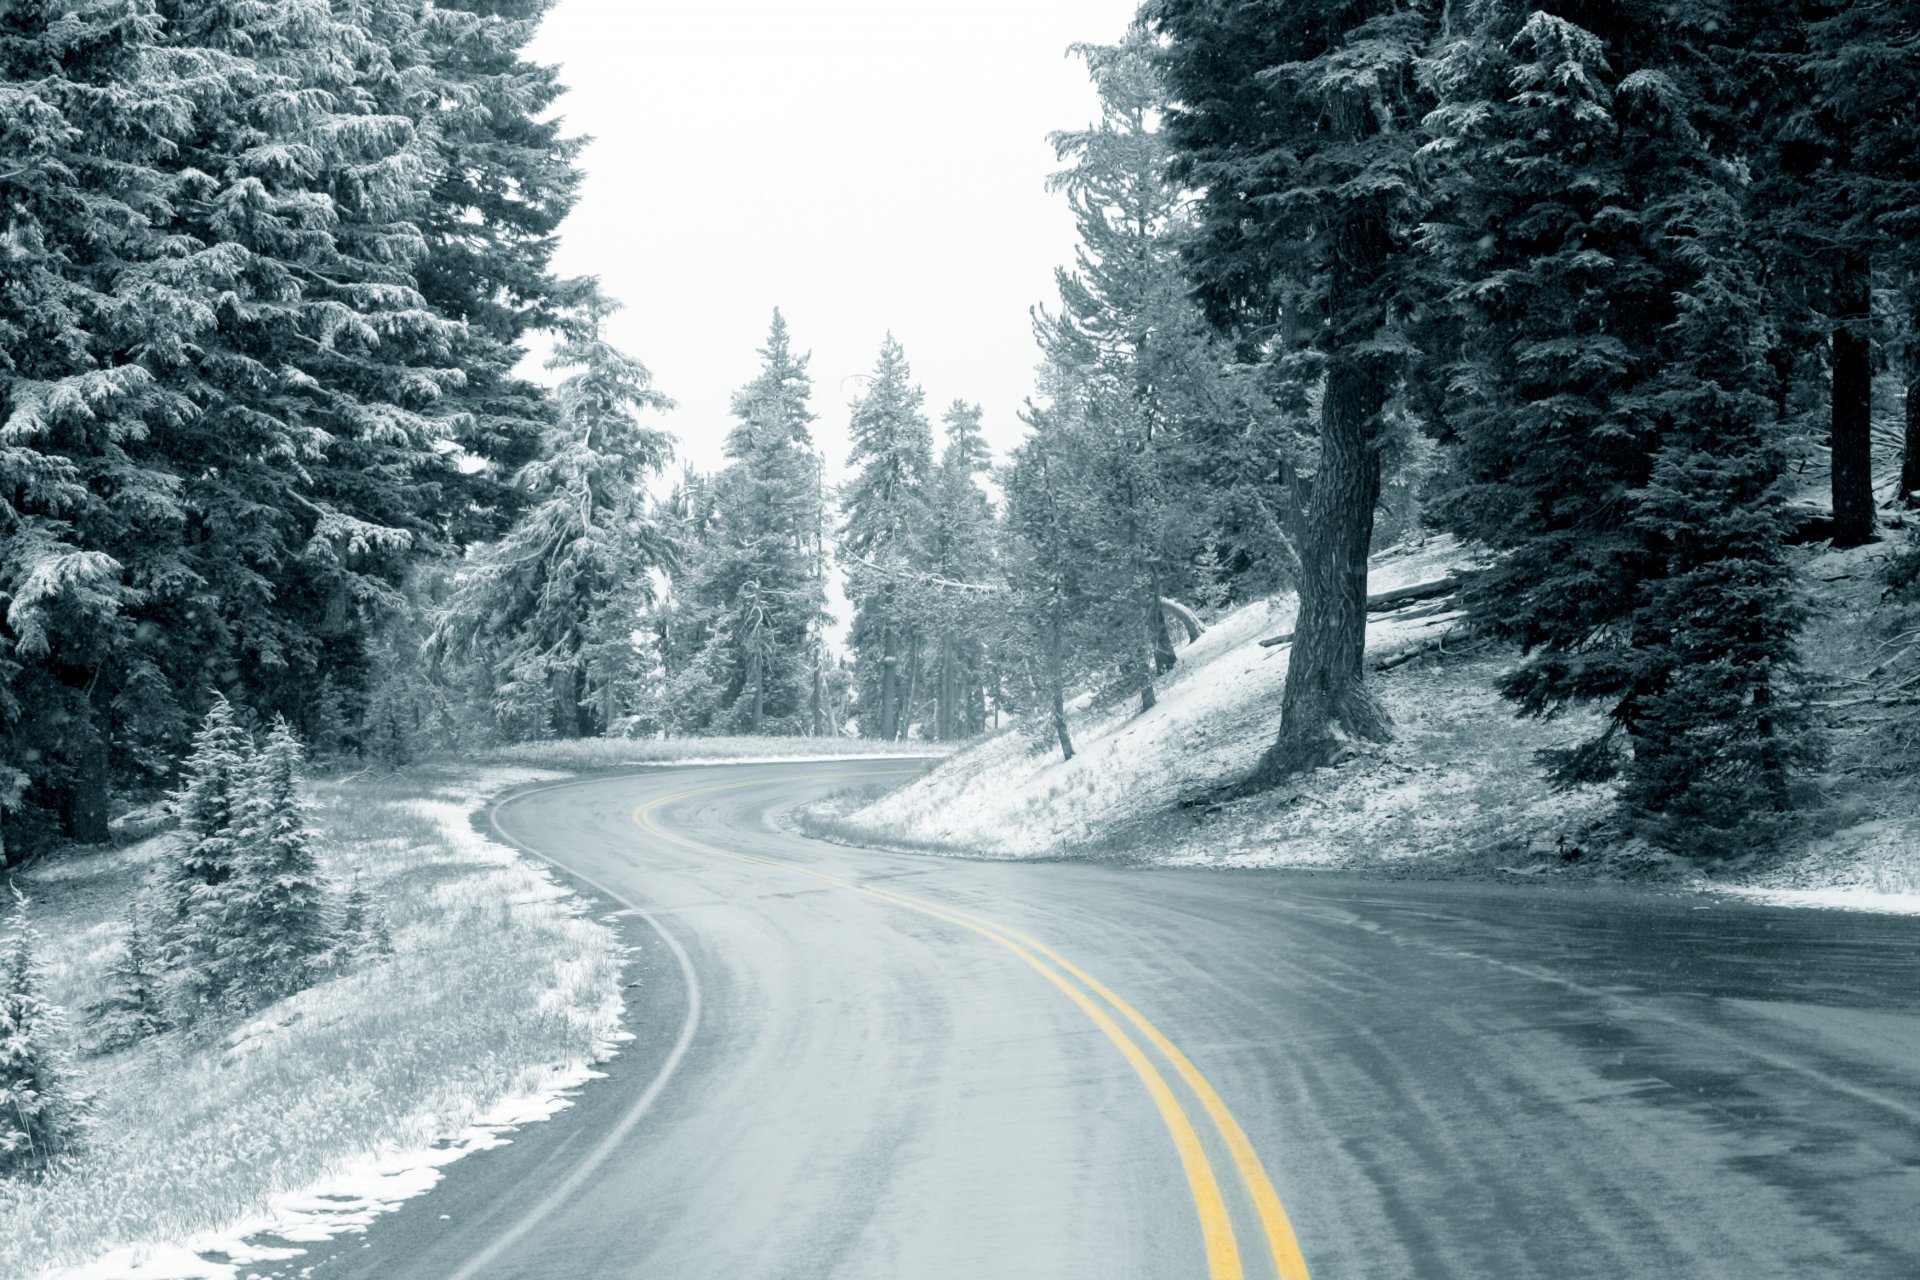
(42, 1114)
(194, 884)
(883, 542)
(1717, 722)
(276, 926)
(524, 607)
(757, 581)
(1615, 438)
(1297, 122)
(502, 179)
(134, 1006)
(1164, 406)
(90, 519)
(960, 546)
(364, 933)
(1043, 559)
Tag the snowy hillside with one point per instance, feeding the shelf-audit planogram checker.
(1461, 766)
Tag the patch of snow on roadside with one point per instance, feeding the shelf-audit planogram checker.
(1835, 899)
(348, 1201)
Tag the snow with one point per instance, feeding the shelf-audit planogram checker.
(364, 1187)
(1835, 899)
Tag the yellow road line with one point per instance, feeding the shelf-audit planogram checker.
(1216, 1225)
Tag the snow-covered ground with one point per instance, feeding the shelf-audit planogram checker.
(334, 1106)
(1458, 791)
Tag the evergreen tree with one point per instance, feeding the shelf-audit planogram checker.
(134, 1006)
(1043, 562)
(1297, 122)
(525, 607)
(276, 927)
(1615, 437)
(960, 561)
(90, 520)
(41, 1114)
(364, 934)
(758, 581)
(883, 542)
(196, 883)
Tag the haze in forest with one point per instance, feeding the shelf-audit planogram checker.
(866, 166)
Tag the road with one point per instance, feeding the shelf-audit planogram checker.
(862, 1064)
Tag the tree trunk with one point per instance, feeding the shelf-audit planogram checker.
(89, 803)
(945, 692)
(1056, 686)
(815, 700)
(1326, 698)
(889, 675)
(1852, 406)
(759, 691)
(1910, 457)
(913, 687)
(1163, 655)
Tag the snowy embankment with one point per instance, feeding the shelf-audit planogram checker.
(1458, 791)
(1460, 772)
(209, 1155)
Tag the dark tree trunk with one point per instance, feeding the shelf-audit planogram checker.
(89, 804)
(814, 701)
(1852, 406)
(1056, 687)
(1910, 457)
(889, 677)
(905, 721)
(1326, 696)
(1163, 655)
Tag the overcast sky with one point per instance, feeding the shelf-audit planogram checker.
(866, 166)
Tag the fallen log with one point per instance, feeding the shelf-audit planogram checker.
(1388, 601)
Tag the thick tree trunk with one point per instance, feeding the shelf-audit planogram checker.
(1163, 655)
(1910, 457)
(1852, 406)
(1326, 698)
(1056, 686)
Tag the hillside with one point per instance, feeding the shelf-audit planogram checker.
(1458, 792)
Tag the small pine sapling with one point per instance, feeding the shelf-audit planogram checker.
(193, 887)
(363, 926)
(276, 920)
(134, 1006)
(41, 1114)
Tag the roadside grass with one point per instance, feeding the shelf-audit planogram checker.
(498, 985)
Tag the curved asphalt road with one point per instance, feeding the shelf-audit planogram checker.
(849, 1065)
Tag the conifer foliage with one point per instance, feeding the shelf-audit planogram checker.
(41, 1112)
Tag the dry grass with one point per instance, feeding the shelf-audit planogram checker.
(497, 979)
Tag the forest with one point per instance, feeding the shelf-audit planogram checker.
(1622, 295)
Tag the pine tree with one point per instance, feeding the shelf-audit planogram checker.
(961, 564)
(90, 519)
(364, 934)
(525, 607)
(1615, 439)
(1297, 122)
(196, 883)
(41, 1113)
(757, 581)
(275, 928)
(1043, 562)
(134, 1006)
(882, 542)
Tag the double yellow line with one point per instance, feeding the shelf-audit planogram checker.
(1088, 994)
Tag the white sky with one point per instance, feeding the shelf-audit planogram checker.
(865, 165)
